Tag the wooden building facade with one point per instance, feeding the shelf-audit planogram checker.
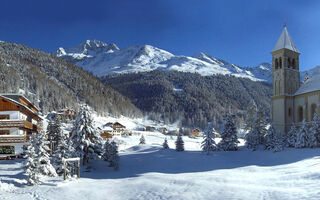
(19, 119)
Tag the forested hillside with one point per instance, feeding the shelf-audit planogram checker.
(52, 83)
(191, 98)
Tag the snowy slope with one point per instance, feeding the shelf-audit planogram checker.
(106, 59)
(149, 173)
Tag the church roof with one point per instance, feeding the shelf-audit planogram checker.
(285, 42)
(312, 84)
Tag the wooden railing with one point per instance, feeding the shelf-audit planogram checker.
(12, 139)
(19, 124)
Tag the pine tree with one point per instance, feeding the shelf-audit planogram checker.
(53, 130)
(31, 164)
(208, 144)
(253, 137)
(113, 155)
(165, 144)
(278, 143)
(302, 136)
(107, 150)
(62, 152)
(43, 159)
(292, 135)
(142, 140)
(179, 143)
(251, 116)
(229, 139)
(269, 138)
(86, 140)
(314, 140)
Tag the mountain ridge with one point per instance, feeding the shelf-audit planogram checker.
(143, 58)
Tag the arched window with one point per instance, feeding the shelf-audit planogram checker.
(276, 63)
(280, 63)
(293, 64)
(300, 114)
(289, 112)
(313, 110)
(289, 63)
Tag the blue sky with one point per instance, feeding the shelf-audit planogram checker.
(241, 32)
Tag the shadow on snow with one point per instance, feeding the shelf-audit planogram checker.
(150, 159)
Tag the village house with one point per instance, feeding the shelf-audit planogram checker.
(195, 132)
(64, 115)
(150, 128)
(292, 102)
(19, 119)
(114, 129)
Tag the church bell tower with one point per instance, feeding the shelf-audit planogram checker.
(286, 81)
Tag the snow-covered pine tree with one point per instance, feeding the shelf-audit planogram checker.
(229, 139)
(107, 149)
(263, 123)
(179, 143)
(165, 144)
(314, 131)
(253, 136)
(43, 159)
(113, 155)
(142, 140)
(53, 132)
(269, 138)
(251, 116)
(86, 140)
(292, 135)
(302, 136)
(31, 164)
(62, 152)
(208, 144)
(278, 143)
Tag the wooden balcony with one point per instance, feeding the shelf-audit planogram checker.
(12, 139)
(15, 123)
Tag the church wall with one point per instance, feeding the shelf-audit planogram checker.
(306, 101)
(278, 106)
(289, 112)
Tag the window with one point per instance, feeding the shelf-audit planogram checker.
(289, 112)
(313, 110)
(293, 64)
(289, 63)
(280, 63)
(300, 114)
(6, 149)
(4, 132)
(276, 63)
(4, 116)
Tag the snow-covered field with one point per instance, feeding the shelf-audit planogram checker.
(149, 172)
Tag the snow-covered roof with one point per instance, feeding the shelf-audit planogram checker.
(312, 84)
(6, 96)
(16, 96)
(285, 42)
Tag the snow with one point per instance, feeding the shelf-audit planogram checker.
(102, 61)
(285, 41)
(312, 84)
(149, 172)
(176, 88)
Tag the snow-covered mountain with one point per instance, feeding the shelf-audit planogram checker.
(106, 59)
